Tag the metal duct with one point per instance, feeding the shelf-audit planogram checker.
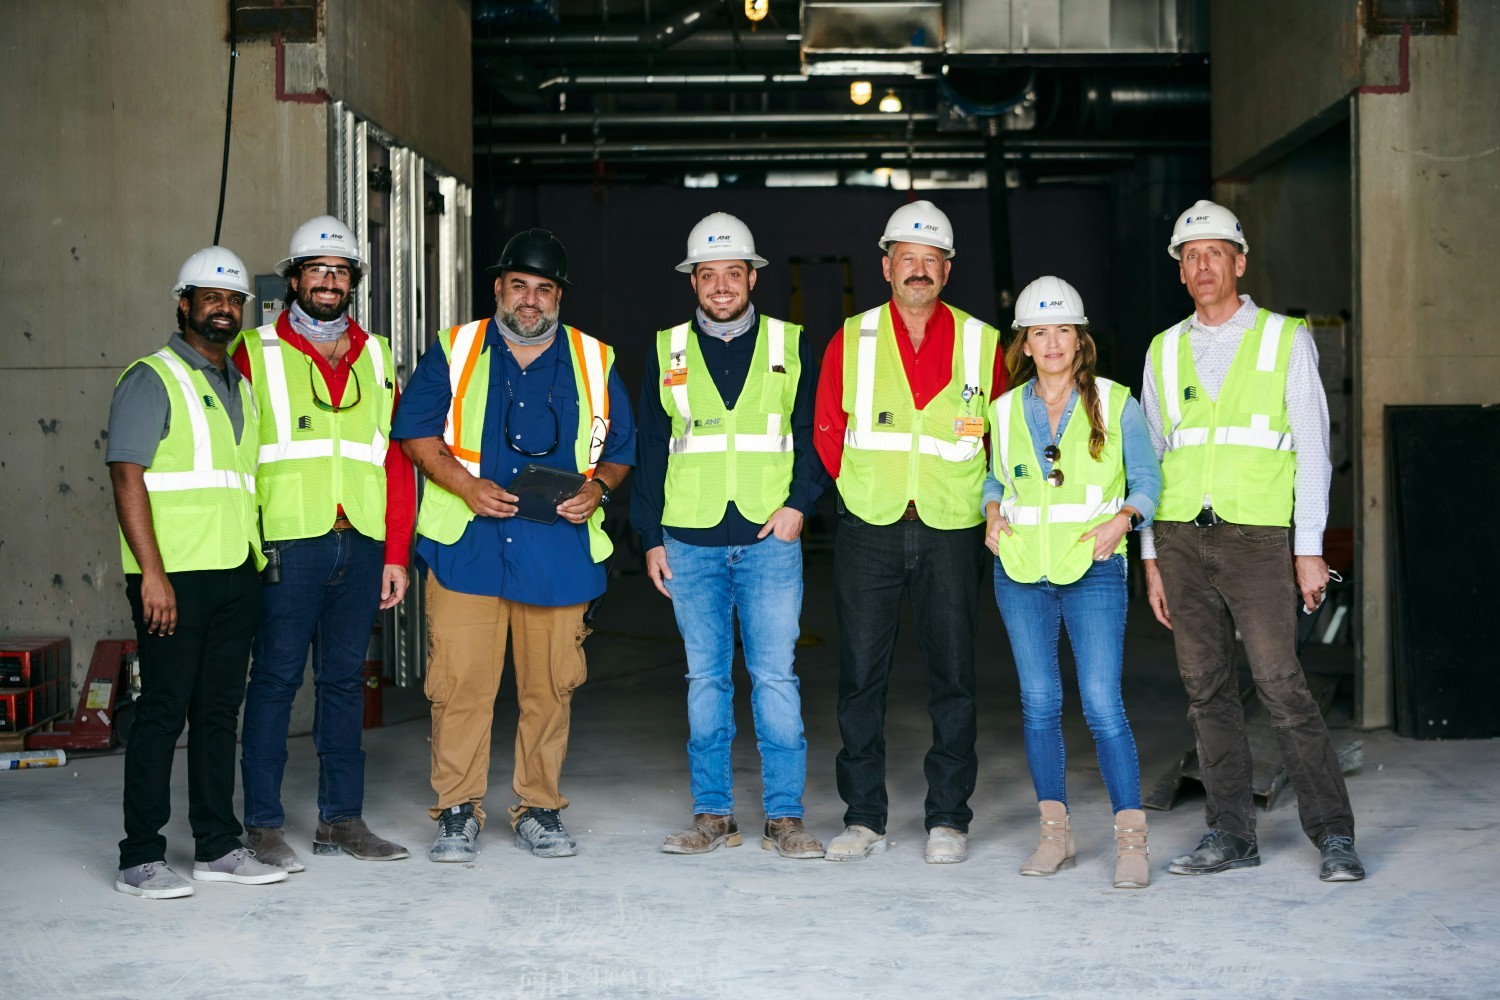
(654, 37)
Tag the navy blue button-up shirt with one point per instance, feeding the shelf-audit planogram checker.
(519, 560)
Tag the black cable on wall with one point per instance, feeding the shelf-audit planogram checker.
(228, 118)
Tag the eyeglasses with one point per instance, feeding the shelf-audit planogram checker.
(339, 271)
(1052, 453)
(510, 439)
(327, 407)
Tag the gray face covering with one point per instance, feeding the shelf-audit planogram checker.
(729, 329)
(543, 332)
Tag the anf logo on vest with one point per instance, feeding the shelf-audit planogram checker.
(1190, 393)
(304, 423)
(1022, 471)
(210, 402)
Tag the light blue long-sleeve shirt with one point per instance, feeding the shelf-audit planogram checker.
(1142, 472)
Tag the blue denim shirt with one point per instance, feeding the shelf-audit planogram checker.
(519, 560)
(1142, 472)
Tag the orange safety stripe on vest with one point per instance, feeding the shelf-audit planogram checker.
(597, 408)
(457, 410)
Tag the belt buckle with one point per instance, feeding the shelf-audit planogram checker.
(910, 514)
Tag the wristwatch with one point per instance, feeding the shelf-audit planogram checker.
(604, 491)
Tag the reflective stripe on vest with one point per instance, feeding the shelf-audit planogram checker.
(284, 448)
(710, 463)
(1236, 451)
(1046, 541)
(201, 482)
(773, 440)
(442, 516)
(860, 432)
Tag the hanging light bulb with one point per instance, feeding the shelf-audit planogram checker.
(890, 103)
(756, 10)
(860, 91)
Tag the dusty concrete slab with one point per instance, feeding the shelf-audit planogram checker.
(623, 920)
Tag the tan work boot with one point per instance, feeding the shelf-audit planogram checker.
(946, 846)
(707, 832)
(270, 847)
(352, 837)
(1132, 864)
(1056, 848)
(855, 843)
(790, 839)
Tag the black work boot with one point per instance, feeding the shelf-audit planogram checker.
(1340, 863)
(1217, 852)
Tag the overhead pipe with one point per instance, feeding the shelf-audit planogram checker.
(1017, 147)
(655, 37)
(716, 81)
(618, 41)
(748, 120)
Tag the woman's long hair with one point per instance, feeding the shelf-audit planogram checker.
(1022, 367)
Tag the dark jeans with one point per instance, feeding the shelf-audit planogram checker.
(196, 675)
(327, 598)
(943, 570)
(1241, 575)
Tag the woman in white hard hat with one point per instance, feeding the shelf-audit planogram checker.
(1072, 471)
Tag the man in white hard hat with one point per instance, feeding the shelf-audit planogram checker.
(489, 399)
(726, 474)
(1239, 418)
(337, 499)
(182, 454)
(900, 425)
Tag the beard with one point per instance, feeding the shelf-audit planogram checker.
(323, 313)
(203, 327)
(725, 314)
(527, 331)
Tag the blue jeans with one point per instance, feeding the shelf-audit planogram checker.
(763, 583)
(1094, 609)
(327, 598)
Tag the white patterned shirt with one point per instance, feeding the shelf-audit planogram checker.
(1214, 348)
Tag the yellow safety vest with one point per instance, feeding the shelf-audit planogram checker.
(1235, 451)
(1046, 520)
(894, 452)
(201, 481)
(443, 516)
(717, 454)
(313, 461)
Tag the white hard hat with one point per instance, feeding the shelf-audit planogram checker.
(212, 267)
(1048, 301)
(919, 222)
(323, 236)
(720, 236)
(1206, 220)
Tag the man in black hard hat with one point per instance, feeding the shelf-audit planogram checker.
(517, 389)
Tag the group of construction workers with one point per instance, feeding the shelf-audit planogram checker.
(267, 504)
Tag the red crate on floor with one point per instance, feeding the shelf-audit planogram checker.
(28, 661)
(21, 708)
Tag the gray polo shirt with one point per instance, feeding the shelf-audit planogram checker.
(141, 412)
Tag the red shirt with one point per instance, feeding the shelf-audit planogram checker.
(400, 477)
(929, 369)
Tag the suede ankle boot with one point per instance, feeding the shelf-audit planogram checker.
(1132, 856)
(1056, 847)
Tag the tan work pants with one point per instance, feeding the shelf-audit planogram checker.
(466, 654)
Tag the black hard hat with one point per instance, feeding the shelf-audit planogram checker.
(538, 252)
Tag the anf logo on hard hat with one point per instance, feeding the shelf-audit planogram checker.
(718, 239)
(1053, 304)
(330, 236)
(227, 270)
(926, 227)
(1193, 220)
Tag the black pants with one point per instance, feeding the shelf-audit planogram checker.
(195, 675)
(943, 570)
(1236, 575)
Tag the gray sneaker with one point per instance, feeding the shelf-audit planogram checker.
(541, 832)
(458, 835)
(152, 880)
(239, 865)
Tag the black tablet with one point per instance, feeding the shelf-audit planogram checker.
(540, 489)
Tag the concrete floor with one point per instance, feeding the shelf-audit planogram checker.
(623, 920)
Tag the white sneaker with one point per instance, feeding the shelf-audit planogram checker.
(855, 843)
(239, 865)
(946, 846)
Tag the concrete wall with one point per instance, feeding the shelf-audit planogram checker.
(1428, 190)
(1278, 69)
(406, 66)
(114, 123)
(113, 120)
